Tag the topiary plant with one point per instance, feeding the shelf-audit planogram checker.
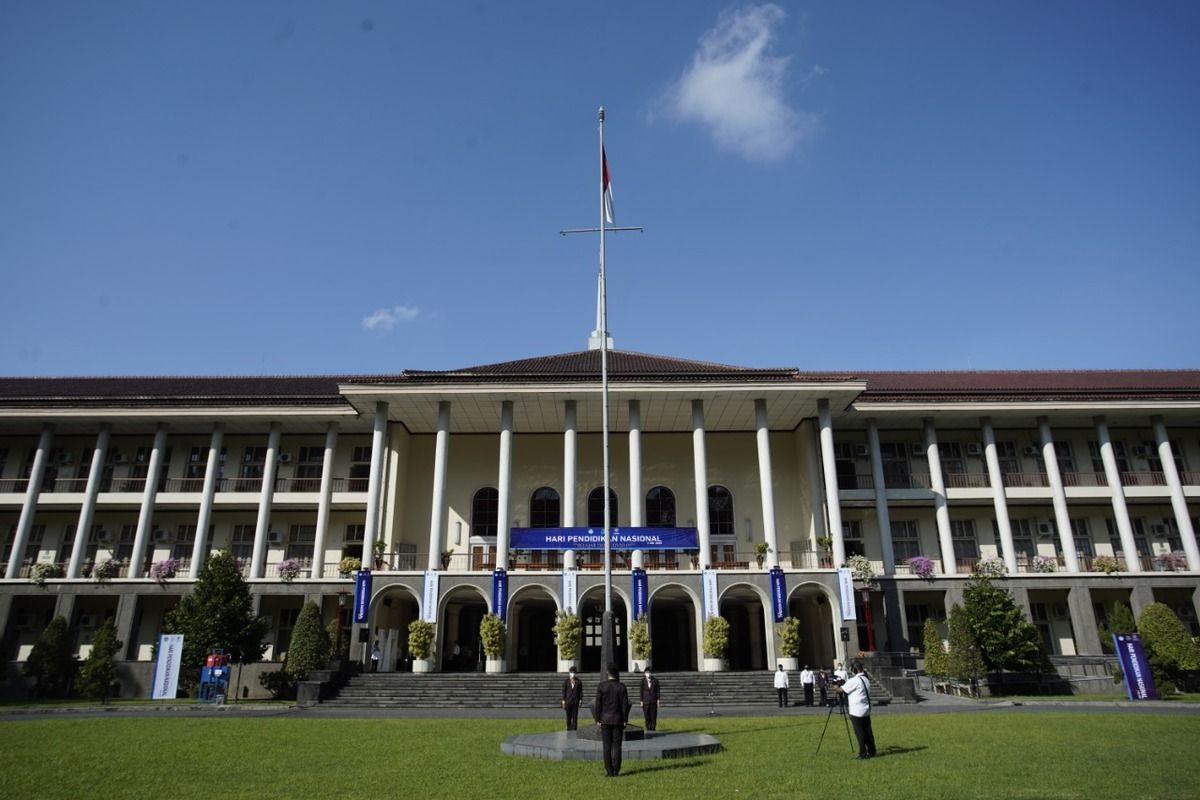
(1173, 655)
(493, 632)
(789, 638)
(420, 638)
(639, 638)
(568, 630)
(937, 662)
(310, 647)
(716, 637)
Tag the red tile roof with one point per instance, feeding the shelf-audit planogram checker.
(1032, 385)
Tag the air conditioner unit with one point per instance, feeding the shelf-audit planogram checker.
(1031, 450)
(120, 458)
(103, 536)
(1045, 529)
(974, 449)
(161, 535)
(862, 451)
(917, 449)
(1158, 530)
(87, 621)
(274, 537)
(285, 458)
(1141, 451)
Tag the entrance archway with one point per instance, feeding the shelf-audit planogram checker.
(395, 608)
(810, 604)
(462, 610)
(742, 608)
(591, 611)
(673, 630)
(531, 630)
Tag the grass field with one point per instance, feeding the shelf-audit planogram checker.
(959, 755)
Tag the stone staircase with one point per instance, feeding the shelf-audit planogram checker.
(468, 690)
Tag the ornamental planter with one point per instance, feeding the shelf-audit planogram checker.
(790, 664)
(565, 664)
(714, 665)
(496, 665)
(422, 665)
(639, 664)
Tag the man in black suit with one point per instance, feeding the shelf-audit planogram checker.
(572, 693)
(611, 710)
(651, 700)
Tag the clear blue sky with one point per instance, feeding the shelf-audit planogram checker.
(298, 188)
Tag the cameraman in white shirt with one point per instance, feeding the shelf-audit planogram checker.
(857, 691)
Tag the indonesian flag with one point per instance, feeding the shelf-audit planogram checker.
(608, 200)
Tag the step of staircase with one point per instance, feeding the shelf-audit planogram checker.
(458, 690)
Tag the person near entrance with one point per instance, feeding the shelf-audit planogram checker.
(376, 654)
(806, 682)
(781, 686)
(572, 693)
(857, 691)
(651, 700)
(611, 712)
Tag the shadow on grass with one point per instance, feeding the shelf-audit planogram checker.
(895, 750)
(674, 764)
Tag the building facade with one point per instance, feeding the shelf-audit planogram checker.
(1084, 487)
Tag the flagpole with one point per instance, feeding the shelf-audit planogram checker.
(609, 634)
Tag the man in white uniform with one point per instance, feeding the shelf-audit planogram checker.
(806, 682)
(781, 686)
(857, 691)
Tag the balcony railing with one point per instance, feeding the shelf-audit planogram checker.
(1084, 479)
(851, 482)
(1026, 479)
(1189, 478)
(1143, 479)
(967, 480)
(912, 481)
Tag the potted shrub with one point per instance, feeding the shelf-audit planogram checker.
(1106, 564)
(43, 571)
(760, 552)
(1175, 562)
(568, 630)
(789, 643)
(378, 547)
(106, 570)
(289, 569)
(716, 642)
(639, 640)
(493, 633)
(420, 645)
(446, 554)
(349, 565)
(825, 546)
(861, 569)
(164, 569)
(1045, 564)
(990, 568)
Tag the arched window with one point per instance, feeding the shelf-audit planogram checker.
(485, 512)
(545, 508)
(595, 508)
(720, 511)
(660, 508)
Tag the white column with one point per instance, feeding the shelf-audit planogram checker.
(700, 470)
(372, 532)
(766, 481)
(145, 522)
(881, 503)
(637, 502)
(1120, 511)
(29, 507)
(941, 511)
(807, 441)
(1062, 517)
(437, 512)
(211, 471)
(999, 498)
(504, 483)
(1178, 501)
(569, 462)
(266, 497)
(88, 512)
(833, 507)
(325, 501)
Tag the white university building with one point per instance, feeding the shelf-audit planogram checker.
(1085, 486)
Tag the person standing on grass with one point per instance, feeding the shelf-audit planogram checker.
(572, 693)
(823, 686)
(781, 686)
(651, 697)
(857, 691)
(806, 681)
(611, 711)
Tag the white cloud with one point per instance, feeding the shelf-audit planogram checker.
(734, 87)
(386, 318)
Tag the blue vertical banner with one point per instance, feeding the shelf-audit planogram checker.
(1138, 682)
(778, 594)
(500, 594)
(641, 591)
(362, 595)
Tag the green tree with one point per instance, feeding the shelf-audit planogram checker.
(1173, 655)
(217, 613)
(98, 675)
(964, 660)
(309, 648)
(1006, 640)
(937, 662)
(1120, 620)
(51, 663)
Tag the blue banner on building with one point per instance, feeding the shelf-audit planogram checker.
(641, 591)
(362, 595)
(593, 538)
(1138, 682)
(778, 594)
(500, 594)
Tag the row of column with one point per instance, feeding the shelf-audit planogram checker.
(144, 528)
(438, 509)
(996, 479)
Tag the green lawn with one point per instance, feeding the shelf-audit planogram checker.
(958, 755)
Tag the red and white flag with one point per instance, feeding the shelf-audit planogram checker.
(608, 198)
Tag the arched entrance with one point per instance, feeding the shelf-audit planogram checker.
(395, 607)
(673, 630)
(810, 604)
(531, 630)
(458, 623)
(742, 608)
(591, 611)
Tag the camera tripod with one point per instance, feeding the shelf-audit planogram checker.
(836, 701)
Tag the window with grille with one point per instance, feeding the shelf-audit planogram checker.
(660, 508)
(485, 512)
(595, 508)
(720, 511)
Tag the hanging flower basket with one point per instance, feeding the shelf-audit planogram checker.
(105, 570)
(1045, 564)
(289, 569)
(922, 566)
(164, 569)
